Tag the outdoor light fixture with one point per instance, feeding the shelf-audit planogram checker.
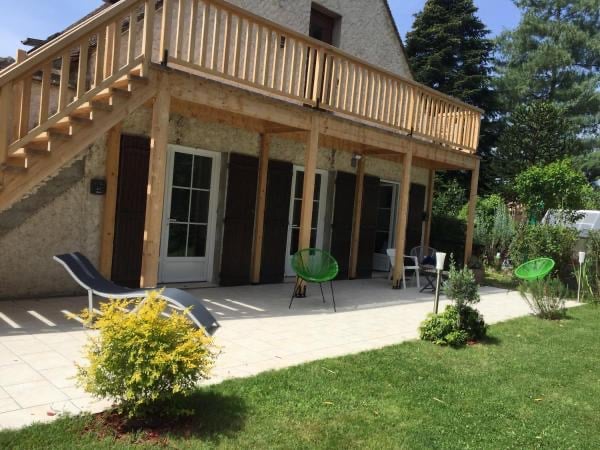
(581, 261)
(439, 267)
(355, 158)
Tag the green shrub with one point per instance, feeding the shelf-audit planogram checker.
(461, 287)
(542, 240)
(443, 329)
(545, 297)
(144, 360)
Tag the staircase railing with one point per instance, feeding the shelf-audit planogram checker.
(67, 72)
(218, 38)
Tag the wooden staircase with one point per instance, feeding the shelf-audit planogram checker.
(110, 82)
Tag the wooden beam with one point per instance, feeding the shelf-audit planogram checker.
(259, 218)
(402, 220)
(471, 215)
(113, 147)
(308, 189)
(429, 208)
(358, 199)
(156, 185)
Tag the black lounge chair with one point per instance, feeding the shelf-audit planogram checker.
(86, 275)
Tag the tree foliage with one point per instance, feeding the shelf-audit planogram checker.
(537, 133)
(554, 55)
(555, 186)
(449, 197)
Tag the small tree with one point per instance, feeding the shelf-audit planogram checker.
(461, 288)
(557, 186)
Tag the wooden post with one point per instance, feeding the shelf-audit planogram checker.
(6, 103)
(18, 97)
(156, 185)
(148, 33)
(471, 216)
(402, 219)
(113, 147)
(308, 189)
(165, 37)
(429, 208)
(259, 218)
(358, 198)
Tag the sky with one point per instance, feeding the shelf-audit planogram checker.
(41, 18)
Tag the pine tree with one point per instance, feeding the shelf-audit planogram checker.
(554, 55)
(449, 50)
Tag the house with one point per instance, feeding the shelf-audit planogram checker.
(196, 141)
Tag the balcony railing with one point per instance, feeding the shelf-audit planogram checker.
(215, 37)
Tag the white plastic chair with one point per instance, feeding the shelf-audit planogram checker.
(421, 253)
(413, 265)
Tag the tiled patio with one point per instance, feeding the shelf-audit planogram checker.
(39, 346)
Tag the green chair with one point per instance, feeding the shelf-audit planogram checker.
(314, 266)
(535, 269)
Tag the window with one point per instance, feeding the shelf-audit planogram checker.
(324, 25)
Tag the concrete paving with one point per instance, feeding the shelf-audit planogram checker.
(39, 345)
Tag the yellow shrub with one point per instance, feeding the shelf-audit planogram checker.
(144, 359)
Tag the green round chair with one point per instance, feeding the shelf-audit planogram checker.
(535, 269)
(314, 266)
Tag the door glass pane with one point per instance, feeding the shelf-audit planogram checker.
(315, 215)
(296, 213)
(299, 184)
(381, 242)
(180, 204)
(199, 207)
(197, 241)
(202, 172)
(383, 219)
(177, 239)
(294, 243)
(317, 186)
(386, 193)
(313, 238)
(182, 169)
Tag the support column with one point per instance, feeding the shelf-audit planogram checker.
(259, 218)
(156, 185)
(358, 198)
(113, 147)
(308, 189)
(429, 208)
(471, 216)
(402, 219)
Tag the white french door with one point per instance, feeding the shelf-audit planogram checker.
(189, 218)
(318, 216)
(385, 237)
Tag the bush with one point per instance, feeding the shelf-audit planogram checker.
(590, 283)
(459, 323)
(542, 240)
(443, 329)
(545, 297)
(448, 235)
(144, 360)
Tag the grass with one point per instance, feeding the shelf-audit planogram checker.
(535, 384)
(502, 280)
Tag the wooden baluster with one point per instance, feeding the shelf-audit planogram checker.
(148, 35)
(19, 88)
(327, 67)
(283, 41)
(336, 84)
(352, 91)
(45, 93)
(393, 107)
(343, 84)
(264, 51)
(309, 72)
(131, 37)
(257, 51)
(63, 90)
(192, 33)
(116, 53)
(368, 81)
(204, 40)
(237, 39)
(411, 97)
(246, 66)
(100, 57)
(226, 41)
(377, 98)
(165, 37)
(274, 58)
(292, 71)
(318, 75)
(83, 67)
(301, 64)
(25, 106)
(180, 29)
(108, 59)
(216, 40)
(6, 104)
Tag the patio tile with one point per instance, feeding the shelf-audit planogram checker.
(61, 377)
(91, 404)
(21, 347)
(45, 360)
(17, 373)
(35, 393)
(8, 404)
(27, 416)
(74, 392)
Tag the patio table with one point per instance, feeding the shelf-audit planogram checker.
(430, 274)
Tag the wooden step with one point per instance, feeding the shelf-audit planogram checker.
(89, 108)
(110, 94)
(130, 82)
(72, 124)
(18, 161)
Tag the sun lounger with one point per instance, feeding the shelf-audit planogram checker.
(86, 275)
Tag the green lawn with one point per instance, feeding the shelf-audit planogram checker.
(536, 384)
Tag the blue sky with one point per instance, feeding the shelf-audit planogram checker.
(41, 18)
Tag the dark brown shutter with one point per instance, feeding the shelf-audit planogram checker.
(130, 216)
(414, 226)
(368, 227)
(238, 230)
(277, 209)
(341, 228)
